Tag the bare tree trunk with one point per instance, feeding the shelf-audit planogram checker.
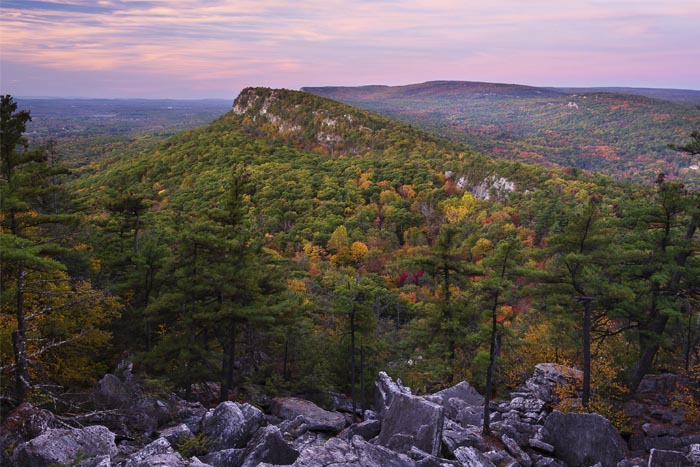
(19, 342)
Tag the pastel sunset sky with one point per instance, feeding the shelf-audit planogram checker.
(214, 48)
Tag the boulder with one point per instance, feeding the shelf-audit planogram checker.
(268, 446)
(309, 439)
(367, 430)
(22, 424)
(225, 458)
(459, 397)
(159, 453)
(231, 425)
(355, 453)
(314, 416)
(470, 457)
(661, 458)
(386, 389)
(176, 434)
(293, 428)
(515, 451)
(582, 439)
(113, 393)
(412, 421)
(455, 436)
(97, 461)
(547, 376)
(423, 459)
(64, 446)
(694, 455)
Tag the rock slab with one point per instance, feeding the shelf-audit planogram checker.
(64, 446)
(583, 440)
(231, 425)
(412, 421)
(315, 417)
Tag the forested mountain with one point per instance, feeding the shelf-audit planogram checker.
(623, 135)
(297, 245)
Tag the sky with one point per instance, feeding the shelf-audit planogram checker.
(191, 49)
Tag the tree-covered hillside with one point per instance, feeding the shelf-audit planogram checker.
(623, 135)
(297, 245)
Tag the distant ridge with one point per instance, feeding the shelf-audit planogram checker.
(433, 88)
(685, 96)
(621, 132)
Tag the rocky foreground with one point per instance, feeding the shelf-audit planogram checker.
(131, 429)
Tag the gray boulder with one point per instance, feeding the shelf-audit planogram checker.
(159, 453)
(176, 434)
(315, 417)
(367, 430)
(582, 440)
(64, 446)
(268, 446)
(470, 457)
(458, 397)
(98, 461)
(547, 376)
(412, 421)
(225, 458)
(385, 391)
(455, 436)
(512, 447)
(21, 425)
(113, 393)
(694, 455)
(661, 458)
(231, 425)
(355, 453)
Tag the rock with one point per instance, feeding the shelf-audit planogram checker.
(195, 462)
(386, 389)
(97, 461)
(268, 446)
(541, 445)
(694, 455)
(473, 416)
(64, 446)
(458, 398)
(342, 403)
(656, 430)
(225, 458)
(231, 425)
(412, 421)
(664, 443)
(470, 457)
(423, 459)
(159, 453)
(462, 391)
(547, 376)
(294, 427)
(367, 430)
(176, 434)
(501, 458)
(634, 462)
(455, 436)
(661, 458)
(308, 440)
(582, 440)
(21, 425)
(314, 416)
(355, 453)
(113, 393)
(549, 462)
(189, 413)
(513, 448)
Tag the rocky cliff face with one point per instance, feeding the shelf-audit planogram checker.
(405, 430)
